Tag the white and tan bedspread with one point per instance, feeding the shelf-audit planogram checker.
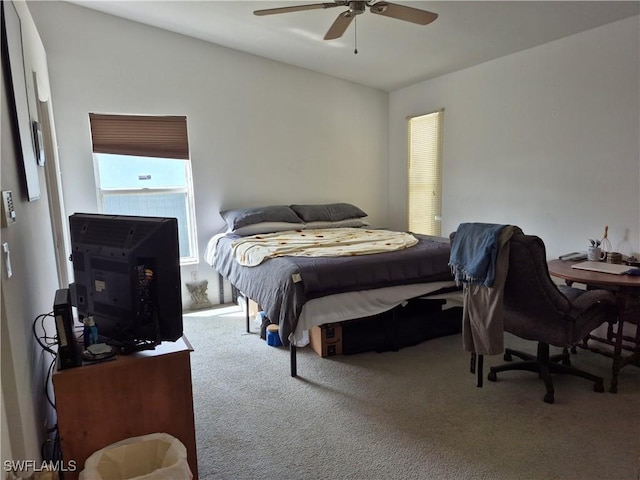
(327, 242)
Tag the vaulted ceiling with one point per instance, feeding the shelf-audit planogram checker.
(391, 53)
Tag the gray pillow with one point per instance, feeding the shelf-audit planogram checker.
(248, 216)
(328, 212)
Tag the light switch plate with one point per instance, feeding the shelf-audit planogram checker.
(8, 211)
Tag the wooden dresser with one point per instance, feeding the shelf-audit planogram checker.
(145, 392)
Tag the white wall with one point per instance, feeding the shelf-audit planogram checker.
(547, 139)
(260, 132)
(30, 291)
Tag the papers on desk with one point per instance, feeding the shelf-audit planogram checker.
(602, 267)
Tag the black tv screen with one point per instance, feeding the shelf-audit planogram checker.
(127, 277)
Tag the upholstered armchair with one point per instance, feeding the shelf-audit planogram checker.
(537, 309)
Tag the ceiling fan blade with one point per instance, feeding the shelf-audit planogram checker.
(339, 26)
(408, 14)
(298, 8)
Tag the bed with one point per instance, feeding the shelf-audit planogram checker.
(301, 290)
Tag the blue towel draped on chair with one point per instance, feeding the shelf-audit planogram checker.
(474, 252)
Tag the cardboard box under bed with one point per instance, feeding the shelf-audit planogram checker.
(406, 325)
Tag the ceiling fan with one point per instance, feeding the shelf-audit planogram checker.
(340, 25)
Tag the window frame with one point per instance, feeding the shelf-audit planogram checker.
(176, 151)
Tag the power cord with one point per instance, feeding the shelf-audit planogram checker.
(50, 448)
(45, 341)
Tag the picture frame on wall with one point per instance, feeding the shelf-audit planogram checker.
(14, 67)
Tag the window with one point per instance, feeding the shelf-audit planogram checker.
(425, 173)
(142, 167)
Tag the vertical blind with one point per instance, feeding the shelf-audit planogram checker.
(425, 173)
(140, 135)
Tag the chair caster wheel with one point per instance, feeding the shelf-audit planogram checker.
(613, 389)
(507, 357)
(598, 387)
(548, 398)
(492, 376)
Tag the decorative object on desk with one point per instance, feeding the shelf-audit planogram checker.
(594, 254)
(633, 261)
(613, 257)
(606, 244)
(198, 292)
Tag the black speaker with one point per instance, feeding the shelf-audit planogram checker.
(69, 354)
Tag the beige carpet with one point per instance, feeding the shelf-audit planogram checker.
(411, 414)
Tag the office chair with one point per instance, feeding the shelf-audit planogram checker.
(537, 309)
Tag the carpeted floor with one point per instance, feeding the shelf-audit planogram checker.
(411, 414)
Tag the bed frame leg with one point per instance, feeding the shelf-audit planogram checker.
(294, 366)
(246, 312)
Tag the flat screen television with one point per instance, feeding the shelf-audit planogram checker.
(127, 277)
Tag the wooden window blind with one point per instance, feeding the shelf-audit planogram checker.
(425, 173)
(140, 135)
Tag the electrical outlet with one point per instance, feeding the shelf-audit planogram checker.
(8, 211)
(194, 275)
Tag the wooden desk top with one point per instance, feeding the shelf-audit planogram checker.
(181, 345)
(562, 269)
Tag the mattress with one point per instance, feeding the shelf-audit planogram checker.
(284, 285)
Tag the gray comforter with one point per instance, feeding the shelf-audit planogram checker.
(282, 285)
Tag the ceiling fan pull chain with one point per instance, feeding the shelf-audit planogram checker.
(355, 34)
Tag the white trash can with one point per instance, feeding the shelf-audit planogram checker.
(157, 456)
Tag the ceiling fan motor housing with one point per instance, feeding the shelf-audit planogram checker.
(356, 8)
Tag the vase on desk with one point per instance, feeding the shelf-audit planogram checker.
(594, 254)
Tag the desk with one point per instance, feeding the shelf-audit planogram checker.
(627, 291)
(145, 392)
